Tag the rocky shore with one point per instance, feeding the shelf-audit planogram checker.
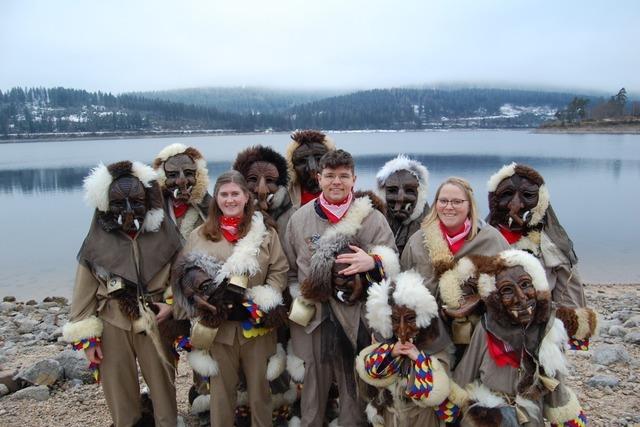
(44, 383)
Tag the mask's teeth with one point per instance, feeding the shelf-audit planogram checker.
(530, 311)
(269, 198)
(407, 207)
(510, 221)
(189, 188)
(514, 313)
(120, 219)
(137, 224)
(175, 193)
(340, 295)
(525, 215)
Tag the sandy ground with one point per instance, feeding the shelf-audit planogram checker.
(84, 405)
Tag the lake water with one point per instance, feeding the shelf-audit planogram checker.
(593, 181)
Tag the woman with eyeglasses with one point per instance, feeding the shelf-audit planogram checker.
(440, 250)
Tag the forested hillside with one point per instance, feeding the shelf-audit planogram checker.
(51, 112)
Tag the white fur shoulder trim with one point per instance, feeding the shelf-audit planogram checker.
(244, 259)
(82, 329)
(202, 362)
(551, 355)
(171, 150)
(96, 188)
(352, 221)
(144, 173)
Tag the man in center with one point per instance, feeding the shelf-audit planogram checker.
(317, 236)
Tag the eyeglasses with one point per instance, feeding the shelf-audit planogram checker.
(456, 203)
(331, 177)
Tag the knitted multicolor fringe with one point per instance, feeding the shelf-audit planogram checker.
(252, 327)
(83, 344)
(576, 344)
(378, 268)
(380, 364)
(448, 411)
(181, 343)
(580, 421)
(423, 382)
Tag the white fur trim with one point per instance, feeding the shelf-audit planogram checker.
(171, 150)
(96, 188)
(417, 169)
(265, 296)
(201, 404)
(482, 396)
(458, 396)
(334, 423)
(390, 260)
(451, 281)
(244, 258)
(551, 354)
(82, 329)
(96, 184)
(189, 221)
(505, 172)
(373, 416)
(529, 406)
(564, 413)
(290, 396)
(295, 365)
(376, 382)
(514, 257)
(352, 221)
(294, 422)
(411, 292)
(277, 363)
(378, 310)
(202, 362)
(144, 173)
(486, 285)
(437, 248)
(528, 243)
(538, 212)
(153, 220)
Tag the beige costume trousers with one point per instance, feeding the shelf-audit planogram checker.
(119, 377)
(252, 357)
(318, 377)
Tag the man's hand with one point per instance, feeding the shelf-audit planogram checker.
(94, 354)
(359, 261)
(164, 311)
(407, 349)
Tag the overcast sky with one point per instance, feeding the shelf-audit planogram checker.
(345, 44)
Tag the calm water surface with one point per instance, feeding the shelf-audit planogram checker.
(593, 181)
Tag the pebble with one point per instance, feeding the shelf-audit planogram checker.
(603, 380)
(608, 354)
(633, 338)
(44, 372)
(40, 393)
(4, 390)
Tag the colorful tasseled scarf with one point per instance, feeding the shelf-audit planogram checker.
(456, 241)
(511, 236)
(335, 211)
(501, 352)
(229, 227)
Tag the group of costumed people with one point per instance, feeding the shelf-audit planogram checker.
(299, 301)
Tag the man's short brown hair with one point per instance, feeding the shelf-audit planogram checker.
(335, 159)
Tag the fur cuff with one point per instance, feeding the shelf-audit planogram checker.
(580, 323)
(82, 329)
(201, 404)
(480, 395)
(571, 410)
(458, 395)
(202, 362)
(265, 296)
(360, 369)
(277, 363)
(390, 260)
(295, 365)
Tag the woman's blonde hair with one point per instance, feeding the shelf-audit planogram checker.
(464, 185)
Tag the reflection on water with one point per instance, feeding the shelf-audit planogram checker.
(70, 178)
(593, 184)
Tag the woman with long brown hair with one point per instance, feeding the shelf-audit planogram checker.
(252, 272)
